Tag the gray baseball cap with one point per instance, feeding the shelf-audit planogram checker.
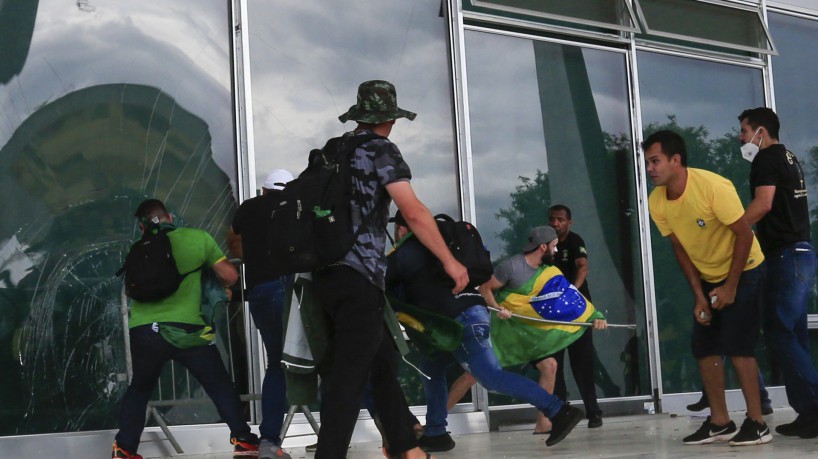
(539, 235)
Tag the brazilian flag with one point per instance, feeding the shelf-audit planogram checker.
(429, 331)
(547, 295)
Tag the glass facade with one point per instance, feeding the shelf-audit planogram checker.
(701, 101)
(551, 126)
(307, 59)
(104, 104)
(719, 24)
(304, 77)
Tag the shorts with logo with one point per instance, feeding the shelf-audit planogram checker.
(733, 330)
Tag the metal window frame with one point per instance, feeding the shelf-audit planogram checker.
(488, 4)
(693, 39)
(465, 151)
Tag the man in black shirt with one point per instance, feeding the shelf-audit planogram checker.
(572, 259)
(266, 293)
(781, 214)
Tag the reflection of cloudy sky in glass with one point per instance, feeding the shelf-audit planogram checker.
(307, 59)
(698, 93)
(506, 124)
(506, 116)
(795, 91)
(120, 43)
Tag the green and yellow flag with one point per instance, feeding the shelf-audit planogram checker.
(547, 295)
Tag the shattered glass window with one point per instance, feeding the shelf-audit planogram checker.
(102, 104)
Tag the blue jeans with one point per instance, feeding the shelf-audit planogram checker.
(150, 352)
(267, 307)
(476, 355)
(790, 278)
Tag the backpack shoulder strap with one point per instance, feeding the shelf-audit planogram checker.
(348, 144)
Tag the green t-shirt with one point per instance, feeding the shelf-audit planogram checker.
(192, 248)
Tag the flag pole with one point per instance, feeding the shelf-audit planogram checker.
(559, 322)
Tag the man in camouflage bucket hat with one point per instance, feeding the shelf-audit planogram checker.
(352, 289)
(377, 103)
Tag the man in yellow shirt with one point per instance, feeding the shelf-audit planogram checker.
(700, 212)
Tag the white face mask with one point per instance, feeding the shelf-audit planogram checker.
(750, 150)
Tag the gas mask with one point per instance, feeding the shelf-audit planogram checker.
(750, 150)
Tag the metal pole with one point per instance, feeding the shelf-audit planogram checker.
(559, 322)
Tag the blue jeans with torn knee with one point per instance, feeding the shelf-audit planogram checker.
(476, 355)
(790, 278)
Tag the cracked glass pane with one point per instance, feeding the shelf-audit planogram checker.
(101, 105)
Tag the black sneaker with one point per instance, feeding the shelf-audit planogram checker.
(594, 421)
(752, 433)
(709, 433)
(431, 444)
(700, 405)
(563, 423)
(791, 429)
(809, 429)
(766, 410)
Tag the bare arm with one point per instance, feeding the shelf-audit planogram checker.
(760, 205)
(692, 275)
(582, 271)
(226, 272)
(423, 225)
(726, 294)
(234, 243)
(487, 290)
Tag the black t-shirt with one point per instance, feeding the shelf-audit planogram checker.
(249, 222)
(788, 219)
(565, 259)
(409, 278)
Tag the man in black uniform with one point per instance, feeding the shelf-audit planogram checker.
(572, 259)
(781, 214)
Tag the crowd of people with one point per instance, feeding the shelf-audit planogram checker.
(736, 275)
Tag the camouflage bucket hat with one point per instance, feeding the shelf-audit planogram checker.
(377, 103)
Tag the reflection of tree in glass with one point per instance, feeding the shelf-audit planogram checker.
(529, 208)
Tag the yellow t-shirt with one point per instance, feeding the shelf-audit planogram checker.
(700, 219)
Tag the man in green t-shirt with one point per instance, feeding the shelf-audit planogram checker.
(173, 329)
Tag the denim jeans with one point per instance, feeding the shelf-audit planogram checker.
(790, 278)
(267, 307)
(476, 355)
(150, 352)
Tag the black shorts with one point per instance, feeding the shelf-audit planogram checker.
(734, 330)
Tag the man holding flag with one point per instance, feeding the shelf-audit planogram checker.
(527, 285)
(408, 271)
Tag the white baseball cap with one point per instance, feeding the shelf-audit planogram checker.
(277, 178)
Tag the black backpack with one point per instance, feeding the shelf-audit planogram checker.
(466, 245)
(311, 226)
(150, 269)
